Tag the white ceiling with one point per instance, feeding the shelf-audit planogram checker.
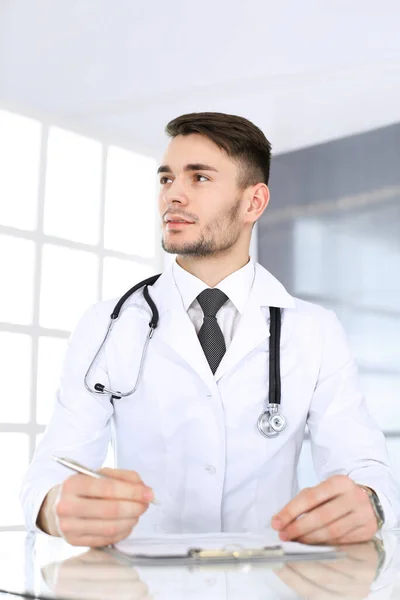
(305, 71)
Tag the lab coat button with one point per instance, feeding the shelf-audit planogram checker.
(211, 469)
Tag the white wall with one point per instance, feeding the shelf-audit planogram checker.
(305, 72)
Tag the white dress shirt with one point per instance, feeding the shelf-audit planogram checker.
(236, 286)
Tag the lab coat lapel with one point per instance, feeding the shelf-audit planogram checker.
(176, 330)
(253, 327)
(252, 330)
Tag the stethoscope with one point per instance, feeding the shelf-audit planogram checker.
(270, 423)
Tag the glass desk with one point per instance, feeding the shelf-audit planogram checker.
(44, 567)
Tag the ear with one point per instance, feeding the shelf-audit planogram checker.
(257, 202)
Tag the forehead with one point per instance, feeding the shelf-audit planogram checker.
(196, 149)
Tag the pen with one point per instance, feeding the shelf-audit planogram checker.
(75, 466)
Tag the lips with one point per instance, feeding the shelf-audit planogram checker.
(171, 219)
(176, 221)
(177, 224)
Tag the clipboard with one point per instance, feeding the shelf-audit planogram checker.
(215, 549)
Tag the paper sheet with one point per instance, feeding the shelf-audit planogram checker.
(179, 544)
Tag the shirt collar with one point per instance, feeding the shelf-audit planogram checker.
(236, 286)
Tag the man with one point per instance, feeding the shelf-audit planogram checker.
(189, 434)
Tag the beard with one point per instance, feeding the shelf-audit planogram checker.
(214, 239)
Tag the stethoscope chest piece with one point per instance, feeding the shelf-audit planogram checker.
(271, 422)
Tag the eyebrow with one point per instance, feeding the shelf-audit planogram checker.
(189, 167)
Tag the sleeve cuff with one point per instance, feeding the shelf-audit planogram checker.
(31, 507)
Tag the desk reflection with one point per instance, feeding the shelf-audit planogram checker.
(95, 574)
(348, 577)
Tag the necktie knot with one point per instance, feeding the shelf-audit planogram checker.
(211, 300)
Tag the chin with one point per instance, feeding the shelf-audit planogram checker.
(175, 245)
(172, 247)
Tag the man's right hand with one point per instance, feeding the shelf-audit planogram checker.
(95, 512)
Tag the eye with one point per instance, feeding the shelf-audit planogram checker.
(165, 180)
(199, 177)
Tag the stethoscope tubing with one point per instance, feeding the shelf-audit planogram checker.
(270, 423)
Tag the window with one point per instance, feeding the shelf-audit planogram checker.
(75, 214)
(346, 261)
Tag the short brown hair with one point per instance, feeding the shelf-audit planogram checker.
(238, 137)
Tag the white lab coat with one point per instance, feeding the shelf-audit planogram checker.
(193, 436)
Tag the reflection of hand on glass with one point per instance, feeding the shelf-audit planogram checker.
(347, 577)
(94, 574)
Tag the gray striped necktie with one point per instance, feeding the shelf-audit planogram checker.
(210, 335)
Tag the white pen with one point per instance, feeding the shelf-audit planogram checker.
(75, 466)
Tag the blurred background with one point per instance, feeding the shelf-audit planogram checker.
(86, 88)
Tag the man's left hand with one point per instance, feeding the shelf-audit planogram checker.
(337, 511)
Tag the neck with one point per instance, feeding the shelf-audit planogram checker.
(212, 269)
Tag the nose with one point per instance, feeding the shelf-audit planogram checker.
(175, 193)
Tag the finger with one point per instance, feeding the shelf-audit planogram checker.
(319, 517)
(365, 533)
(96, 541)
(89, 508)
(310, 498)
(331, 533)
(326, 517)
(107, 487)
(353, 528)
(72, 527)
(123, 474)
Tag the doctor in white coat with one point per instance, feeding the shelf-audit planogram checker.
(189, 434)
